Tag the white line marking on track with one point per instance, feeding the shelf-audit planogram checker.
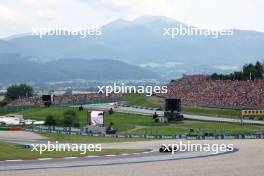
(14, 160)
(136, 153)
(92, 156)
(43, 159)
(70, 157)
(109, 155)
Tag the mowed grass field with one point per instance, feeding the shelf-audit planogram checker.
(1, 98)
(136, 99)
(155, 102)
(122, 122)
(42, 112)
(9, 151)
(137, 124)
(199, 128)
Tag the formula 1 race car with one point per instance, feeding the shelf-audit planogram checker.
(167, 148)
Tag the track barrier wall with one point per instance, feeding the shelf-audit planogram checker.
(86, 132)
(10, 129)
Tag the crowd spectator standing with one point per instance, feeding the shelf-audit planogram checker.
(198, 90)
(30, 101)
(195, 90)
(66, 99)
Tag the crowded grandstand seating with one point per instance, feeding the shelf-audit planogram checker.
(66, 99)
(31, 101)
(198, 90)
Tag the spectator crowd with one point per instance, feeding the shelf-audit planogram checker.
(198, 90)
(65, 99)
(195, 90)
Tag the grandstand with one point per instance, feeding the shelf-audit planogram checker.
(198, 90)
(67, 99)
(194, 90)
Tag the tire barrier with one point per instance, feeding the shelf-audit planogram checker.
(10, 129)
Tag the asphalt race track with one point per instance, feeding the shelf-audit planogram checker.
(247, 161)
(141, 157)
(100, 161)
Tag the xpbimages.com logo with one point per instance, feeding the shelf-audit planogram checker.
(148, 90)
(57, 147)
(66, 31)
(187, 30)
(192, 147)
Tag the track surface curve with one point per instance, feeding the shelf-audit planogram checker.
(142, 157)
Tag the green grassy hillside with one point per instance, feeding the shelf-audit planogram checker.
(137, 124)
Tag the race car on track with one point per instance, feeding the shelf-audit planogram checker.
(167, 148)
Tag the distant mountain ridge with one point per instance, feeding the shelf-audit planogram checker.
(17, 69)
(141, 42)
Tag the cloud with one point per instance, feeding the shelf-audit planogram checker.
(226, 67)
(161, 65)
(8, 12)
(240, 14)
(40, 2)
(147, 7)
(46, 14)
(131, 8)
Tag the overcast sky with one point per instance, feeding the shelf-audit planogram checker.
(18, 16)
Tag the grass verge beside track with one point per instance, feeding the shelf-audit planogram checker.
(86, 139)
(137, 124)
(199, 128)
(136, 99)
(215, 112)
(156, 102)
(9, 152)
(122, 122)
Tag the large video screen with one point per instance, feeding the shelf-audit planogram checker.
(96, 118)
